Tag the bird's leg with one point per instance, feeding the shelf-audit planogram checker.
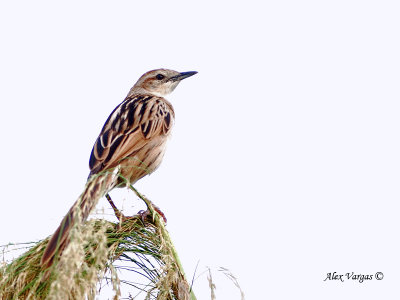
(120, 216)
(143, 214)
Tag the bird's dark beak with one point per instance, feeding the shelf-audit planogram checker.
(182, 76)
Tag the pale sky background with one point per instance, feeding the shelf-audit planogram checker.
(284, 164)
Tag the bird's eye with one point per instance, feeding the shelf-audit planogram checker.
(160, 76)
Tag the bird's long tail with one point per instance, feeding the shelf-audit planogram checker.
(95, 188)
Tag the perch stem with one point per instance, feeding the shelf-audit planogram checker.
(166, 236)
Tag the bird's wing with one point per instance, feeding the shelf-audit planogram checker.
(129, 127)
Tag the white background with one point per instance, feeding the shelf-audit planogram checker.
(284, 162)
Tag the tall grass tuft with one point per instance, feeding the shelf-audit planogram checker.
(98, 249)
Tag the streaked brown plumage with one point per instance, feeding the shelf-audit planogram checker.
(133, 139)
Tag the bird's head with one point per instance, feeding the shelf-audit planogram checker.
(160, 82)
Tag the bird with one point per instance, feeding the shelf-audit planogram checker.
(132, 142)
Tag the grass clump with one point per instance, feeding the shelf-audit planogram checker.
(97, 251)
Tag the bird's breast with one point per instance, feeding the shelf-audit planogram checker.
(145, 161)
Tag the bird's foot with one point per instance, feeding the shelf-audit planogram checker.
(144, 214)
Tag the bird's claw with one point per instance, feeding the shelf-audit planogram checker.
(144, 214)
